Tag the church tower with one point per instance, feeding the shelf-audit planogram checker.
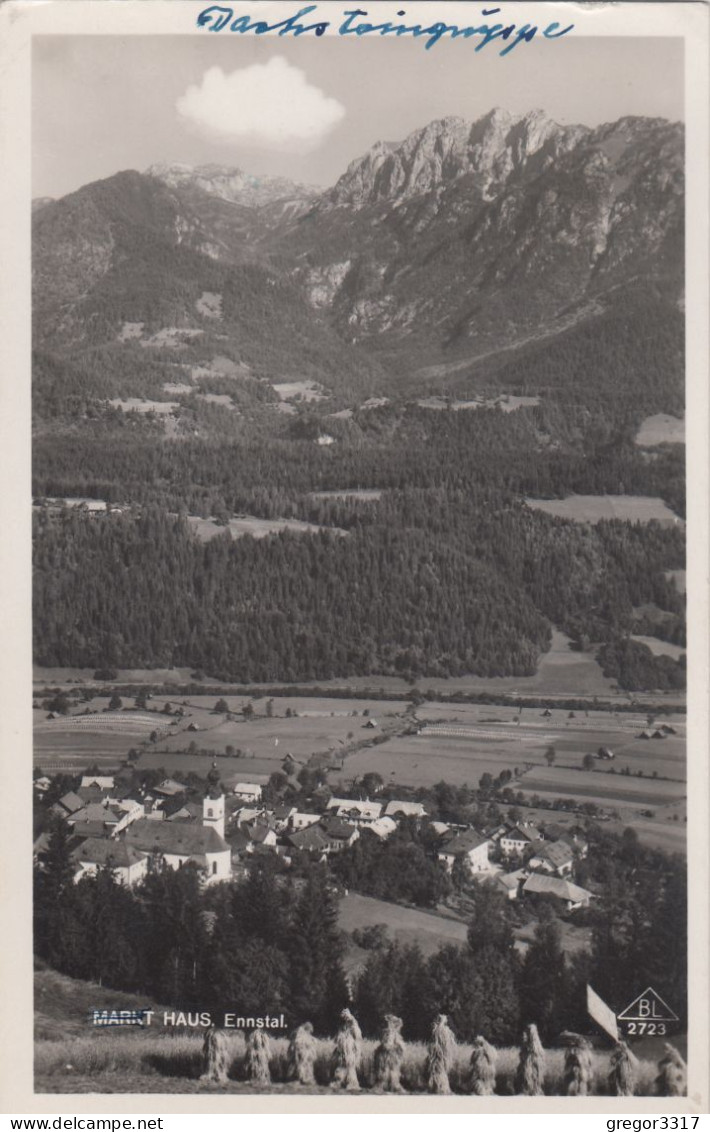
(213, 803)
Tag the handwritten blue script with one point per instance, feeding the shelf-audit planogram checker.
(307, 21)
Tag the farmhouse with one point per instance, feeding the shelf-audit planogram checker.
(104, 782)
(180, 843)
(247, 813)
(260, 833)
(339, 835)
(572, 835)
(510, 883)
(383, 827)
(310, 840)
(573, 896)
(68, 804)
(405, 810)
(128, 864)
(248, 791)
(554, 857)
(299, 821)
(470, 847)
(515, 842)
(359, 813)
(440, 827)
(282, 815)
(97, 815)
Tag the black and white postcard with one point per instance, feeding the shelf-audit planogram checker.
(355, 384)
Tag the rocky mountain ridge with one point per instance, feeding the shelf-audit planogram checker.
(459, 241)
(471, 230)
(231, 184)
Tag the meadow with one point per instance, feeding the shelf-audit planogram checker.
(660, 648)
(592, 508)
(661, 428)
(462, 753)
(207, 529)
(405, 925)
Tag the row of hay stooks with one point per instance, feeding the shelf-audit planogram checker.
(389, 1056)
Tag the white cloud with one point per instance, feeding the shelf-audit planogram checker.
(269, 104)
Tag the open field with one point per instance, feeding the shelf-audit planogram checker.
(661, 429)
(364, 495)
(592, 508)
(455, 743)
(142, 405)
(220, 367)
(303, 390)
(461, 752)
(406, 925)
(602, 787)
(102, 737)
(508, 403)
(222, 399)
(573, 938)
(207, 529)
(315, 726)
(661, 648)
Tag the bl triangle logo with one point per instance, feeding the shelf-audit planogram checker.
(648, 1007)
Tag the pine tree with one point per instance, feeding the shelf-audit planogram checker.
(314, 949)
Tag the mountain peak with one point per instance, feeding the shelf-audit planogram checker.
(230, 183)
(490, 149)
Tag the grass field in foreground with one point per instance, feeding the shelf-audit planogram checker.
(173, 1063)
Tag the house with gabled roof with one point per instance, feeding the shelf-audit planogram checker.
(261, 833)
(310, 840)
(519, 839)
(574, 836)
(571, 894)
(339, 834)
(300, 820)
(383, 828)
(510, 883)
(69, 803)
(282, 814)
(102, 781)
(128, 864)
(248, 791)
(354, 811)
(470, 847)
(555, 857)
(96, 816)
(398, 809)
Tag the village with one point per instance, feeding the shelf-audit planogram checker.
(131, 831)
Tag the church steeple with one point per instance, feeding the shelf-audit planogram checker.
(213, 803)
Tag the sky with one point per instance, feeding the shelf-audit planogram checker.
(305, 108)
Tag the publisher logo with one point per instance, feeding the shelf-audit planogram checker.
(647, 1016)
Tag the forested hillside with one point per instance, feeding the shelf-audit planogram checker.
(481, 316)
